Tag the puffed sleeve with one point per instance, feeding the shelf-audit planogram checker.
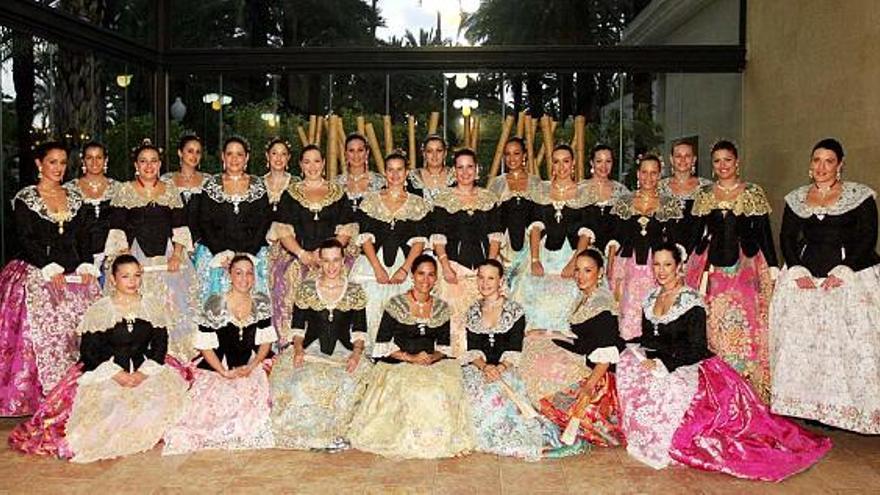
(359, 325)
(764, 237)
(27, 238)
(299, 322)
(860, 253)
(206, 338)
(367, 228)
(192, 217)
(608, 344)
(384, 345)
(265, 333)
(442, 344)
(514, 346)
(208, 215)
(493, 225)
(695, 348)
(791, 238)
(94, 349)
(439, 226)
(158, 345)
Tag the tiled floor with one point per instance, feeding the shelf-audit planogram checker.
(852, 467)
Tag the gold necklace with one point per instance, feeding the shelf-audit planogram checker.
(824, 193)
(728, 189)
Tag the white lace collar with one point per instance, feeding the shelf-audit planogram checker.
(31, 198)
(600, 300)
(104, 314)
(216, 312)
(511, 312)
(213, 188)
(687, 299)
(109, 191)
(666, 189)
(852, 195)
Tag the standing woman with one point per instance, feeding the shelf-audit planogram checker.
(681, 403)
(735, 256)
(41, 301)
(393, 232)
(229, 398)
(319, 381)
(415, 406)
(434, 176)
(96, 190)
(313, 211)
(358, 179)
(234, 217)
(188, 180)
(602, 192)
(466, 231)
(148, 221)
(645, 220)
(684, 183)
(121, 397)
(826, 308)
(591, 404)
(278, 181)
(515, 189)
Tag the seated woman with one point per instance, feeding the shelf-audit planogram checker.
(229, 398)
(415, 406)
(317, 384)
(121, 397)
(681, 403)
(589, 409)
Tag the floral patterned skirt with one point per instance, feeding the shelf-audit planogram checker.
(631, 282)
(737, 306)
(499, 426)
(378, 294)
(460, 296)
(413, 411)
(599, 420)
(313, 405)
(547, 368)
(224, 413)
(549, 299)
(825, 350)
(38, 341)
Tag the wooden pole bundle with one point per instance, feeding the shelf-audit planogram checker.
(374, 146)
(332, 148)
(389, 136)
(475, 134)
(411, 140)
(580, 123)
(433, 122)
(319, 129)
(303, 138)
(521, 125)
(530, 147)
(545, 152)
(313, 122)
(361, 125)
(506, 126)
(466, 132)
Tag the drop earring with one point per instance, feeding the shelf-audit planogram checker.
(810, 175)
(592, 170)
(84, 169)
(839, 173)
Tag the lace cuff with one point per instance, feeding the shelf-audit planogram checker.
(106, 371)
(496, 237)
(587, 232)
(438, 239)
(116, 242)
(611, 244)
(444, 349)
(88, 269)
(536, 225)
(605, 355)
(150, 367)
(357, 336)
(182, 236)
(774, 273)
(51, 270)
(797, 271)
(206, 340)
(349, 230)
(297, 332)
(265, 335)
(843, 272)
(473, 355)
(384, 349)
(221, 259)
(416, 240)
(511, 357)
(279, 231)
(363, 238)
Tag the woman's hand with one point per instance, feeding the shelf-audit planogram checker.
(649, 364)
(353, 360)
(299, 358)
(229, 374)
(245, 371)
(568, 270)
(137, 378)
(87, 278)
(805, 283)
(449, 275)
(491, 373)
(173, 263)
(423, 359)
(537, 268)
(399, 276)
(123, 378)
(58, 281)
(832, 282)
(381, 275)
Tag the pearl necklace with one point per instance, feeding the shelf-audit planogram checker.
(728, 189)
(823, 193)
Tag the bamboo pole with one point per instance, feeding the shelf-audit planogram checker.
(521, 125)
(545, 152)
(530, 149)
(506, 126)
(580, 123)
(475, 134)
(340, 143)
(374, 146)
(313, 122)
(411, 138)
(361, 125)
(433, 122)
(332, 150)
(303, 138)
(466, 133)
(319, 129)
(389, 137)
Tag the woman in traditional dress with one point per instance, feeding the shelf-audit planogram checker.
(278, 181)
(681, 403)
(46, 289)
(645, 219)
(121, 397)
(234, 217)
(358, 179)
(825, 344)
(394, 229)
(230, 398)
(96, 190)
(148, 220)
(602, 192)
(515, 189)
(319, 381)
(495, 331)
(735, 256)
(466, 231)
(313, 211)
(589, 409)
(415, 405)
(188, 180)
(434, 176)
(684, 183)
